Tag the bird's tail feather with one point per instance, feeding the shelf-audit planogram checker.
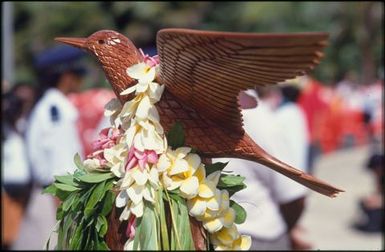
(261, 156)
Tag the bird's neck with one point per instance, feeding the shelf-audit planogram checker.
(115, 71)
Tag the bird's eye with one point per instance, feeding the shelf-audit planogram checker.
(100, 41)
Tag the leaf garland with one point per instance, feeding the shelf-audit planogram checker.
(175, 137)
(87, 199)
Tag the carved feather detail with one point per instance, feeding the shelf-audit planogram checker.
(207, 70)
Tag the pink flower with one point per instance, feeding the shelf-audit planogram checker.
(150, 61)
(130, 231)
(107, 138)
(136, 157)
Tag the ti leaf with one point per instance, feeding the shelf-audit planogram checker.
(232, 183)
(66, 179)
(102, 246)
(101, 225)
(218, 166)
(148, 237)
(175, 137)
(51, 189)
(240, 213)
(78, 162)
(162, 221)
(230, 180)
(95, 177)
(96, 196)
(68, 202)
(234, 189)
(108, 203)
(67, 188)
(181, 237)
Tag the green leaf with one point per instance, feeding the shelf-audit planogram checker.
(232, 183)
(78, 162)
(69, 201)
(86, 241)
(240, 213)
(62, 195)
(102, 246)
(76, 204)
(162, 221)
(175, 137)
(96, 196)
(59, 213)
(95, 177)
(175, 195)
(230, 180)
(101, 225)
(181, 237)
(218, 166)
(77, 238)
(234, 189)
(69, 224)
(148, 236)
(67, 188)
(138, 230)
(79, 173)
(109, 200)
(183, 223)
(51, 189)
(67, 179)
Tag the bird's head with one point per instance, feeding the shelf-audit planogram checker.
(101, 43)
(114, 51)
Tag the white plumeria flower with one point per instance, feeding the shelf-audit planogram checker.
(92, 164)
(130, 107)
(179, 169)
(227, 236)
(112, 109)
(145, 76)
(211, 206)
(137, 186)
(152, 89)
(141, 72)
(129, 245)
(242, 243)
(155, 91)
(143, 108)
(147, 138)
(208, 196)
(230, 239)
(115, 157)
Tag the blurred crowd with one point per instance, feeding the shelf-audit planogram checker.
(45, 125)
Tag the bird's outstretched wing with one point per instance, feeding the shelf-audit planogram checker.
(206, 70)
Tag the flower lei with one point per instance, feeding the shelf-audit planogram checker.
(151, 167)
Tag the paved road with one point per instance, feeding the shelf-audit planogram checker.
(326, 220)
(38, 223)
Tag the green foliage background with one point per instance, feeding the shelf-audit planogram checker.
(356, 32)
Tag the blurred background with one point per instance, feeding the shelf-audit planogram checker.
(342, 99)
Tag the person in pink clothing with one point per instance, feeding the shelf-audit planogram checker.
(315, 109)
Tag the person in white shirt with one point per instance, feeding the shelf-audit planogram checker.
(293, 128)
(16, 177)
(14, 163)
(273, 202)
(52, 136)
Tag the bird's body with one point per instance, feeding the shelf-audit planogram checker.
(203, 73)
(202, 84)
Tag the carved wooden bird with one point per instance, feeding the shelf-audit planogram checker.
(203, 73)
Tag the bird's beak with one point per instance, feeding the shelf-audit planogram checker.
(77, 42)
